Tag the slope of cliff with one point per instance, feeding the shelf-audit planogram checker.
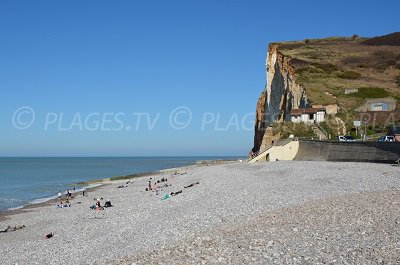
(317, 72)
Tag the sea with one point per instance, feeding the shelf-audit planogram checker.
(34, 180)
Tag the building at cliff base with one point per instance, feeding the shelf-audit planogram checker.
(378, 104)
(308, 115)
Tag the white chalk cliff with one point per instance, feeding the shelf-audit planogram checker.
(280, 96)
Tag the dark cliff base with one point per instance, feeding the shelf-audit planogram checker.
(378, 152)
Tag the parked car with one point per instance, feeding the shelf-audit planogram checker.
(346, 138)
(386, 138)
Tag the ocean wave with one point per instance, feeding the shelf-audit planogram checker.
(19, 204)
(15, 208)
(52, 197)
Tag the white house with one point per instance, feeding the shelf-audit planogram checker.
(378, 104)
(308, 115)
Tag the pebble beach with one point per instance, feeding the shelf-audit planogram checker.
(285, 212)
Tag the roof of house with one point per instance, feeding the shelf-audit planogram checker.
(306, 111)
(388, 100)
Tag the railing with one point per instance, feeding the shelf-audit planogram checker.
(259, 152)
(283, 142)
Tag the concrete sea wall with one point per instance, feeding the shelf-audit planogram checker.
(382, 152)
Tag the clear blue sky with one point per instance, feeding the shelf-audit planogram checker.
(78, 63)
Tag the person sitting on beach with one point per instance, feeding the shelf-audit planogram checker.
(50, 235)
(108, 203)
(60, 205)
(98, 206)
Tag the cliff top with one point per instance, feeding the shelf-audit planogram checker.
(327, 67)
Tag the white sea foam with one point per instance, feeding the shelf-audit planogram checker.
(46, 199)
(15, 208)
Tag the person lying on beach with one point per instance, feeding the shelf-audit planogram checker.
(191, 185)
(12, 228)
(176, 193)
(166, 196)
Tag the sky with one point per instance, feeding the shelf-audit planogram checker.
(151, 78)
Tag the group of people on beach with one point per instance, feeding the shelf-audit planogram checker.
(63, 205)
(157, 187)
(12, 228)
(98, 205)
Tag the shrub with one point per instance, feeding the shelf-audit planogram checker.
(397, 81)
(370, 92)
(326, 67)
(306, 41)
(355, 36)
(298, 129)
(349, 75)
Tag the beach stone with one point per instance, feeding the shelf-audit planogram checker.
(304, 213)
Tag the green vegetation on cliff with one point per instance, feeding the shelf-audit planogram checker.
(327, 67)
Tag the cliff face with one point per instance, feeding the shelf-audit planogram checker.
(327, 69)
(280, 95)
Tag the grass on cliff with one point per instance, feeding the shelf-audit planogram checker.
(326, 67)
(299, 130)
(370, 92)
